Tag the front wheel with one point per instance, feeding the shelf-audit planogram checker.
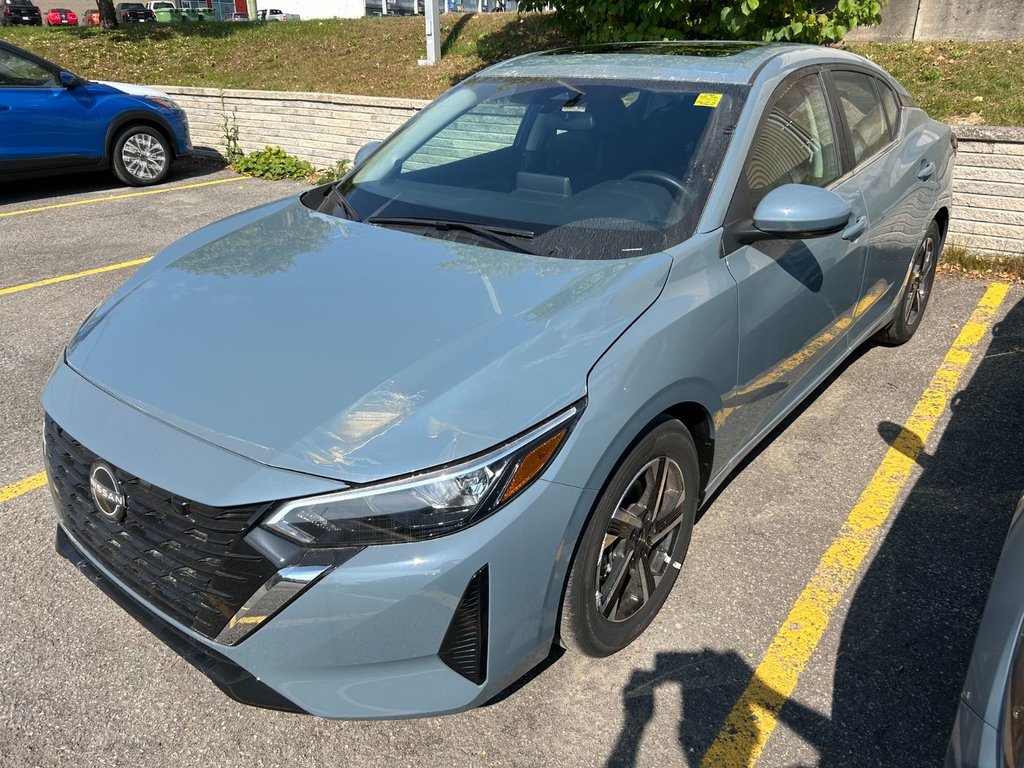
(916, 292)
(632, 548)
(141, 156)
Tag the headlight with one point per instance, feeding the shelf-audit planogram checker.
(428, 505)
(164, 101)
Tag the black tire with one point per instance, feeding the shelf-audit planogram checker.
(597, 629)
(151, 152)
(916, 292)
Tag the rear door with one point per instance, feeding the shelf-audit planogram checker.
(42, 122)
(900, 184)
(797, 297)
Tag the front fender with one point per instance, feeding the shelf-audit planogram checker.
(683, 349)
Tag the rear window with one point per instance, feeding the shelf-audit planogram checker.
(865, 116)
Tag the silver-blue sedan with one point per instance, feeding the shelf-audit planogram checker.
(370, 450)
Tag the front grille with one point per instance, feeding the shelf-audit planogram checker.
(187, 559)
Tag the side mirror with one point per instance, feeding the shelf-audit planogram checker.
(365, 151)
(69, 80)
(797, 211)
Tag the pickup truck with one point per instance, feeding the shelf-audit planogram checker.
(275, 15)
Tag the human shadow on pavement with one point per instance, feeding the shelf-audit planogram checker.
(709, 684)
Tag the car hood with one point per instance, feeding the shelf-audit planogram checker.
(135, 90)
(354, 352)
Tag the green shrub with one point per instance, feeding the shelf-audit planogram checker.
(333, 173)
(599, 21)
(272, 163)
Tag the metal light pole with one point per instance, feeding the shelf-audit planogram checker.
(433, 35)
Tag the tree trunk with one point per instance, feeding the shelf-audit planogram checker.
(108, 17)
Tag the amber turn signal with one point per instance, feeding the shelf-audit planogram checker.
(532, 464)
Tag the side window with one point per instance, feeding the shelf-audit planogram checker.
(869, 129)
(487, 127)
(795, 143)
(889, 106)
(16, 71)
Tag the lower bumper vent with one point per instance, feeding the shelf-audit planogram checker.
(464, 647)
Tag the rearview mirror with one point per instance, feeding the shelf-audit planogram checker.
(68, 80)
(795, 211)
(365, 151)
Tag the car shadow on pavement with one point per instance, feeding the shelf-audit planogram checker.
(907, 638)
(48, 187)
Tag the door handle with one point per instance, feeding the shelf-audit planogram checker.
(856, 229)
(926, 170)
(4, 107)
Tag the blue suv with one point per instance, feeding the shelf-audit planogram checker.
(53, 121)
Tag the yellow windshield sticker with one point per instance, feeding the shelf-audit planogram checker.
(708, 100)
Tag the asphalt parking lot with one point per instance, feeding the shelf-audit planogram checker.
(767, 652)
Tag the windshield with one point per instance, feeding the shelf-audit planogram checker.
(588, 169)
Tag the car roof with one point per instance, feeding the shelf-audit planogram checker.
(692, 61)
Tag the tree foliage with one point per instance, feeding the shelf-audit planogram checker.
(108, 15)
(809, 21)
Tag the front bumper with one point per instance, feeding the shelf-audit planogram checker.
(225, 674)
(366, 641)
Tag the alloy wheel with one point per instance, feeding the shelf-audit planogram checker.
(920, 281)
(637, 549)
(143, 156)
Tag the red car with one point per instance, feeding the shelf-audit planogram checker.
(61, 17)
(91, 18)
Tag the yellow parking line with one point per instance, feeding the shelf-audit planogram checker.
(73, 276)
(124, 196)
(755, 715)
(22, 487)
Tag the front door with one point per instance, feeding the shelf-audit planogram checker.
(42, 122)
(797, 297)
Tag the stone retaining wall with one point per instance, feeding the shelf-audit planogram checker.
(988, 190)
(946, 20)
(320, 127)
(324, 128)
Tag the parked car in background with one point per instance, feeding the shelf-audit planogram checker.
(273, 14)
(239, 16)
(91, 18)
(20, 12)
(53, 121)
(61, 17)
(155, 5)
(989, 728)
(133, 13)
(496, 368)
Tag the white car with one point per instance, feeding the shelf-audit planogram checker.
(275, 15)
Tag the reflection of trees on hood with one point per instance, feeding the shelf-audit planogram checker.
(489, 262)
(264, 247)
(587, 286)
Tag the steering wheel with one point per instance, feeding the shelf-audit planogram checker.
(659, 177)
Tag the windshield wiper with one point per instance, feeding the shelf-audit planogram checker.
(497, 235)
(343, 202)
